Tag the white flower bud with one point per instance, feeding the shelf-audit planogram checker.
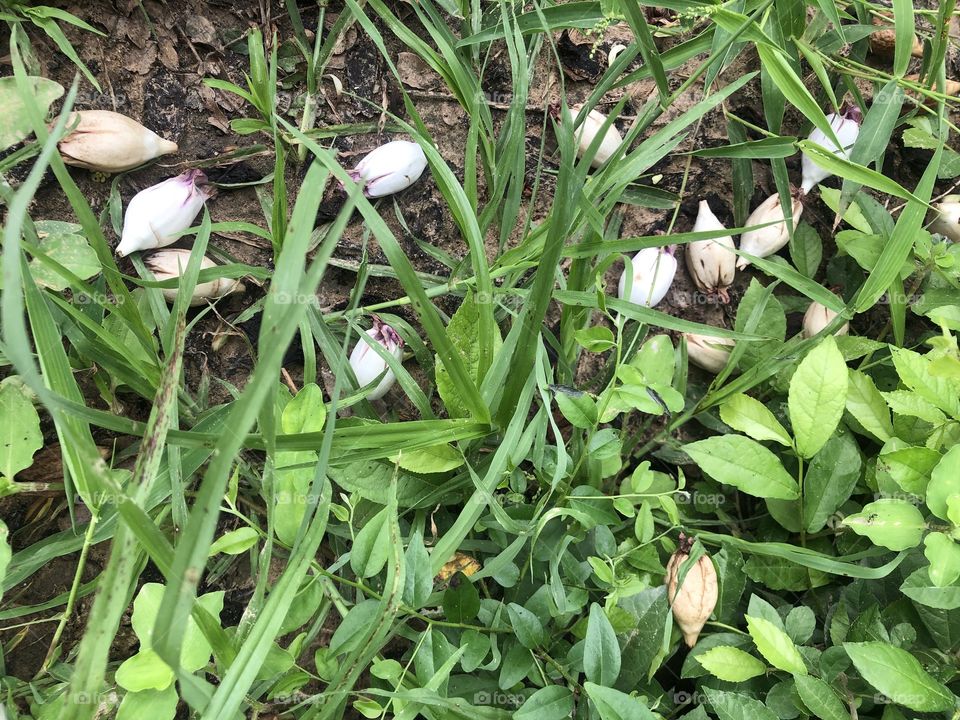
(390, 168)
(170, 264)
(592, 124)
(847, 128)
(110, 142)
(767, 240)
(946, 220)
(368, 365)
(817, 317)
(707, 352)
(712, 263)
(156, 215)
(653, 273)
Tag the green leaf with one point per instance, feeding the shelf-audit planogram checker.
(15, 125)
(817, 396)
(944, 482)
(144, 671)
(750, 416)
(20, 435)
(371, 547)
(526, 626)
(893, 524)
(806, 249)
(735, 706)
(820, 700)
(920, 588)
(577, 407)
(830, 479)
(595, 339)
(461, 600)
(553, 702)
(944, 556)
(464, 334)
(63, 243)
(867, 406)
(235, 541)
(772, 323)
(615, 705)
(305, 413)
(731, 664)
(601, 651)
(436, 459)
(909, 467)
(153, 704)
(852, 215)
(899, 676)
(418, 578)
(776, 646)
(745, 464)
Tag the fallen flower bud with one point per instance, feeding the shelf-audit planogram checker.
(693, 601)
(712, 263)
(170, 264)
(765, 241)
(946, 219)
(589, 129)
(390, 168)
(367, 365)
(817, 317)
(109, 142)
(156, 215)
(653, 273)
(707, 352)
(847, 128)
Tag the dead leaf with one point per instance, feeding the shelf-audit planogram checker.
(415, 73)
(141, 62)
(168, 54)
(461, 563)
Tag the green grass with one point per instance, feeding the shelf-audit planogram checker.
(567, 487)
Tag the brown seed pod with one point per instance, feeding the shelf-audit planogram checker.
(693, 602)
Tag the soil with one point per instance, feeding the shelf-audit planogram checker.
(151, 64)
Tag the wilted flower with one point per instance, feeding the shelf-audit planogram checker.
(390, 168)
(946, 219)
(653, 273)
(170, 264)
(110, 142)
(712, 263)
(767, 240)
(817, 317)
(588, 131)
(156, 215)
(693, 601)
(847, 129)
(368, 365)
(707, 352)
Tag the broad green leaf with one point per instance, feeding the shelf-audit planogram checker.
(944, 556)
(20, 435)
(464, 334)
(15, 125)
(194, 650)
(745, 464)
(776, 646)
(577, 407)
(601, 651)
(615, 705)
(944, 482)
(750, 416)
(63, 243)
(731, 664)
(914, 372)
(461, 601)
(553, 702)
(830, 479)
(526, 626)
(817, 396)
(899, 676)
(436, 459)
(736, 706)
(418, 578)
(909, 467)
(893, 524)
(921, 589)
(305, 413)
(371, 547)
(153, 704)
(852, 215)
(772, 323)
(820, 699)
(867, 406)
(144, 671)
(235, 541)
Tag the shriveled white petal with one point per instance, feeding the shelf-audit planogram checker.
(712, 263)
(156, 215)
(652, 276)
(390, 168)
(765, 241)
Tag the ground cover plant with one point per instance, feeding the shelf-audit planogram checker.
(458, 359)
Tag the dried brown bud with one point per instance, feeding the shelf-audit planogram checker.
(693, 602)
(884, 42)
